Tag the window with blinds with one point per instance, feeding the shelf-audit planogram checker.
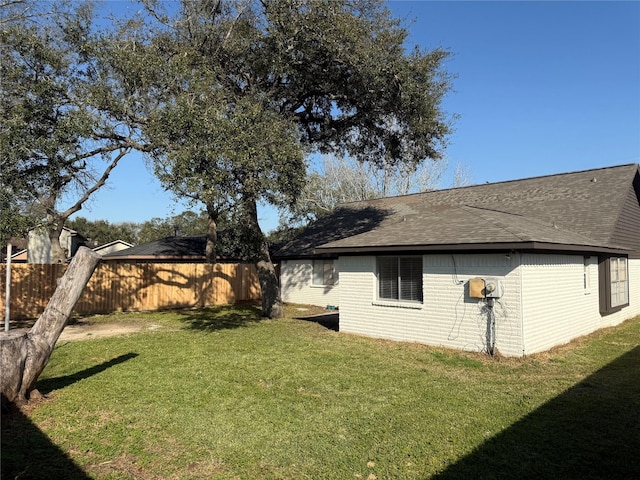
(400, 278)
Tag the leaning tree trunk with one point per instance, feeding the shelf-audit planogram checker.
(271, 302)
(24, 354)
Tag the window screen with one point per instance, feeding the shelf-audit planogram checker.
(324, 272)
(400, 278)
(619, 283)
(613, 284)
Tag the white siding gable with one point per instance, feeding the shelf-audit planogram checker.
(39, 245)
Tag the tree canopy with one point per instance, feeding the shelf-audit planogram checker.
(102, 231)
(237, 93)
(226, 97)
(60, 139)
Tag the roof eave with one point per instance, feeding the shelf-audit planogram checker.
(473, 247)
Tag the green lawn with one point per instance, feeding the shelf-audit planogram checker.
(224, 394)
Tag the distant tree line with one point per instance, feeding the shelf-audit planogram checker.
(188, 223)
(99, 232)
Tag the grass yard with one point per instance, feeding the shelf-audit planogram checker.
(223, 394)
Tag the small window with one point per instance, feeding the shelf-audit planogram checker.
(400, 278)
(324, 272)
(587, 274)
(614, 284)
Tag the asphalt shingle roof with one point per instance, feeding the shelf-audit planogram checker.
(578, 209)
(166, 248)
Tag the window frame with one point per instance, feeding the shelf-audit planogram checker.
(586, 274)
(613, 273)
(329, 272)
(394, 283)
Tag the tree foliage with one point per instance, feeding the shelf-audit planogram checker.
(183, 224)
(100, 232)
(343, 179)
(232, 95)
(60, 135)
(15, 219)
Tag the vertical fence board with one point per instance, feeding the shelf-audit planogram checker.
(121, 287)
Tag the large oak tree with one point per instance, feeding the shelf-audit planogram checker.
(244, 90)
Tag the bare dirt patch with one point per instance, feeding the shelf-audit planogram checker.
(87, 331)
(86, 328)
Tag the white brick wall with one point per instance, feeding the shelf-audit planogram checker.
(544, 302)
(447, 316)
(557, 308)
(462, 322)
(296, 277)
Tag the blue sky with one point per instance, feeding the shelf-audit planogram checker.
(541, 88)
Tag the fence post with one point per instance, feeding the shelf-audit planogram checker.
(7, 306)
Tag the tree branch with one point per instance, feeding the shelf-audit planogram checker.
(100, 183)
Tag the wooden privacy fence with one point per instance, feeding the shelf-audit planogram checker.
(122, 287)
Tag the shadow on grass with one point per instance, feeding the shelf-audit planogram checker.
(330, 321)
(592, 431)
(50, 384)
(27, 453)
(221, 318)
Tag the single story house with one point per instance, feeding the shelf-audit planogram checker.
(177, 249)
(513, 267)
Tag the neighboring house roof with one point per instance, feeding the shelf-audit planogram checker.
(110, 247)
(190, 248)
(20, 256)
(593, 210)
(18, 245)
